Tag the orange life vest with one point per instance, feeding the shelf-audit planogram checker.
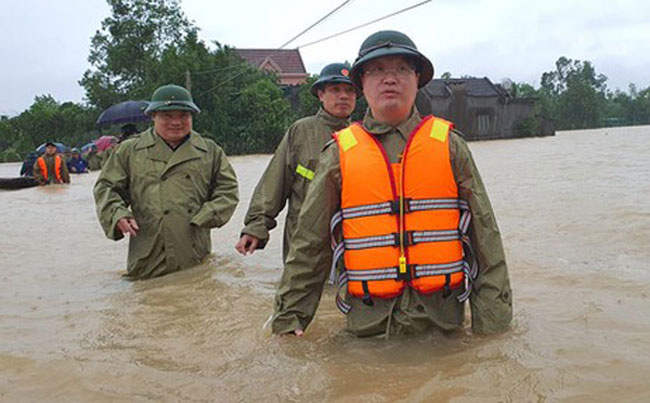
(57, 168)
(402, 223)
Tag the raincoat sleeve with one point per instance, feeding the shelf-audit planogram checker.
(271, 193)
(65, 174)
(111, 193)
(491, 297)
(307, 265)
(38, 175)
(224, 194)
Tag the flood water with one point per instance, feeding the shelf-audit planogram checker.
(574, 211)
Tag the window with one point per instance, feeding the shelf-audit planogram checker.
(483, 124)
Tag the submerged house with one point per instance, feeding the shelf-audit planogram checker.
(482, 110)
(286, 63)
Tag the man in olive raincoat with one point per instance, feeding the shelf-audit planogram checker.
(291, 170)
(166, 188)
(389, 70)
(51, 167)
(94, 160)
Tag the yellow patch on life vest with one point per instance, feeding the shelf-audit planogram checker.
(439, 130)
(306, 172)
(347, 139)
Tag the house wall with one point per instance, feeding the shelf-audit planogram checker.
(482, 118)
(512, 114)
(292, 79)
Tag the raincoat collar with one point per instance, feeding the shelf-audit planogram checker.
(331, 120)
(149, 139)
(405, 128)
(193, 148)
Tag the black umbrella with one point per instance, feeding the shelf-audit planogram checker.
(124, 112)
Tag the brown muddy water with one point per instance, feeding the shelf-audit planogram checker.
(574, 211)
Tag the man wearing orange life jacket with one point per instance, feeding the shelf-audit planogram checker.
(412, 228)
(50, 167)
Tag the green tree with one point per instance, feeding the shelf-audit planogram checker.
(574, 94)
(129, 45)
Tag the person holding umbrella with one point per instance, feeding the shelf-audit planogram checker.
(50, 167)
(166, 189)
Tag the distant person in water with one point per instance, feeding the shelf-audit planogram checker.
(128, 130)
(50, 168)
(28, 165)
(76, 164)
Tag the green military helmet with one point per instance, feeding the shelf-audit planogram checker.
(171, 97)
(391, 43)
(331, 74)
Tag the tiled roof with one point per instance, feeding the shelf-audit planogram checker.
(288, 60)
(477, 87)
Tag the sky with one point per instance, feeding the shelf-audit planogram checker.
(45, 44)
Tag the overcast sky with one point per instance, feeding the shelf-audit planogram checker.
(45, 44)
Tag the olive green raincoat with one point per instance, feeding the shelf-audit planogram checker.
(49, 164)
(174, 196)
(94, 161)
(104, 156)
(305, 273)
(288, 176)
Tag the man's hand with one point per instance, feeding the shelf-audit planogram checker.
(128, 226)
(247, 244)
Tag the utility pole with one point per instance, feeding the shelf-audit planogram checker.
(188, 80)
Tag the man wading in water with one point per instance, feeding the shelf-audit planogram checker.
(413, 229)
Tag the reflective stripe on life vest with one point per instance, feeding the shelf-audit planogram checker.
(401, 223)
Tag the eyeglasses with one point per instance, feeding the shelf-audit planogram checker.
(380, 71)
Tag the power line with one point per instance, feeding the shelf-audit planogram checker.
(363, 25)
(316, 23)
(222, 83)
(232, 66)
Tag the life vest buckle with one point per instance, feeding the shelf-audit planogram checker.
(408, 238)
(408, 275)
(394, 205)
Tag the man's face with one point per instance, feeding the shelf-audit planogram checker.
(172, 126)
(338, 99)
(390, 85)
(50, 149)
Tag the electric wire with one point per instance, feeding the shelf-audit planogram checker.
(314, 24)
(364, 24)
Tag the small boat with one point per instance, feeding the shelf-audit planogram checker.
(17, 183)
